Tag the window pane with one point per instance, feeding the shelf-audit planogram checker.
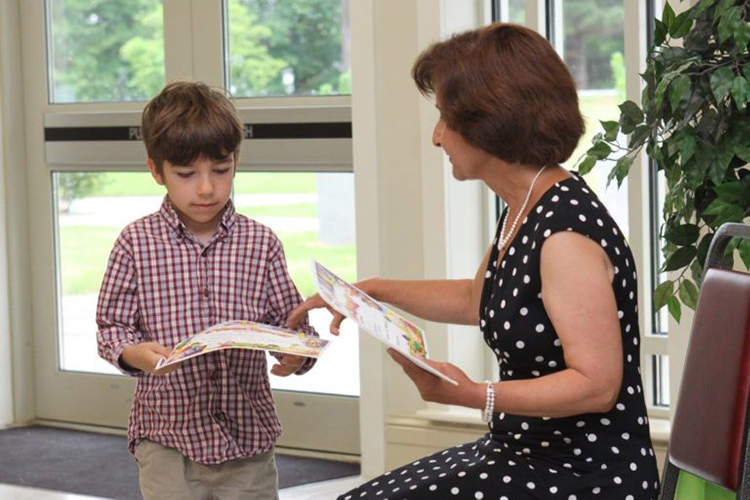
(313, 215)
(105, 50)
(288, 47)
(91, 210)
(511, 11)
(661, 317)
(592, 46)
(660, 374)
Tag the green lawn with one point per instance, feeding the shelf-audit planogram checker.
(274, 182)
(142, 184)
(84, 251)
(301, 247)
(292, 210)
(129, 184)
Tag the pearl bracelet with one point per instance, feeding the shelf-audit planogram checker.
(489, 407)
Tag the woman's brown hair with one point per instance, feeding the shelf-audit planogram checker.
(189, 120)
(506, 91)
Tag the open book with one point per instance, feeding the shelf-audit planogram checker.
(375, 318)
(245, 335)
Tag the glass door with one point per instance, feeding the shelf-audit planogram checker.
(88, 178)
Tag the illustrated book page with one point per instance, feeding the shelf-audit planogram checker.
(245, 335)
(375, 318)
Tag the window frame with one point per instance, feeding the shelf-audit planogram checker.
(659, 331)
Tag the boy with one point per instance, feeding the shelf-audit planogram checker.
(206, 430)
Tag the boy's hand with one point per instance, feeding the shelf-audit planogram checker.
(144, 357)
(288, 364)
(314, 302)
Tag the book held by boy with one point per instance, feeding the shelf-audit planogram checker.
(374, 317)
(245, 335)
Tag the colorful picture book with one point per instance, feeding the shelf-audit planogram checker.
(375, 318)
(245, 335)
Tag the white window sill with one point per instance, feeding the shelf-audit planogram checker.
(660, 427)
(660, 430)
(452, 415)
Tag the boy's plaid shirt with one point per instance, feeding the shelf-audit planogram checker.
(162, 286)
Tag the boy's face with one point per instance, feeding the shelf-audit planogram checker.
(198, 191)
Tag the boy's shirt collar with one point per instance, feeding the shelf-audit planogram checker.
(169, 214)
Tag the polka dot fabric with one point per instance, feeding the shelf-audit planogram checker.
(591, 456)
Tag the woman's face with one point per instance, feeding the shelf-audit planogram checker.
(468, 162)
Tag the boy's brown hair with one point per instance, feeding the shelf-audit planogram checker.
(189, 120)
(506, 91)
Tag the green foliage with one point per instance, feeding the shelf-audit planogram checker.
(300, 38)
(694, 124)
(144, 54)
(107, 50)
(617, 64)
(592, 34)
(253, 70)
(72, 185)
(113, 50)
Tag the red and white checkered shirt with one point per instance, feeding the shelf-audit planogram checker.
(162, 285)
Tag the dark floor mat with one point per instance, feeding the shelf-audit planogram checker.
(98, 464)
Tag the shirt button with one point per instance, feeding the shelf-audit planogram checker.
(205, 292)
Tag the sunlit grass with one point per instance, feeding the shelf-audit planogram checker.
(291, 210)
(84, 251)
(142, 184)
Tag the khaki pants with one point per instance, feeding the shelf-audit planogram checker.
(165, 474)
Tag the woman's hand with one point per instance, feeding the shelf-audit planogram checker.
(436, 390)
(314, 302)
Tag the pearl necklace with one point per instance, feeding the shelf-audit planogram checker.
(503, 241)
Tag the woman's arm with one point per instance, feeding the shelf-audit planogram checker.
(578, 296)
(443, 301)
(580, 302)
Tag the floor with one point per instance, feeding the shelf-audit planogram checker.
(314, 491)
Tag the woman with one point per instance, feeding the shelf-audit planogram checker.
(555, 296)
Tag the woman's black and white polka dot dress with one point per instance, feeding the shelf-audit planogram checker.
(591, 456)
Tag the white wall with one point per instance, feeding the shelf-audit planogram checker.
(16, 341)
(387, 185)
